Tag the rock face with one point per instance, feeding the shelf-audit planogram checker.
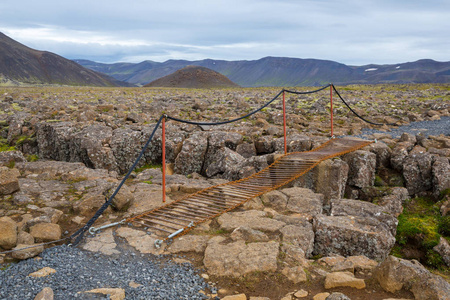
(254, 219)
(238, 258)
(362, 168)
(303, 201)
(192, 154)
(443, 248)
(9, 182)
(417, 172)
(440, 175)
(352, 235)
(395, 274)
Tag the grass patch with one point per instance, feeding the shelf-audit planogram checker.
(147, 166)
(4, 146)
(421, 225)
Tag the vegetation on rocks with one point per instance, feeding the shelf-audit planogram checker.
(344, 216)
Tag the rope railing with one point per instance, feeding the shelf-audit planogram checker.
(78, 235)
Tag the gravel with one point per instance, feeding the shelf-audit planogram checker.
(79, 270)
(425, 128)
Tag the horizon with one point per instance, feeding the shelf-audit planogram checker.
(378, 64)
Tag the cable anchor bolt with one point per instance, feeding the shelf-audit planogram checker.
(94, 230)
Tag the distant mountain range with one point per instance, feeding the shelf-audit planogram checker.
(21, 64)
(281, 71)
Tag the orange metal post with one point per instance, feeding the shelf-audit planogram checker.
(331, 108)
(284, 123)
(163, 140)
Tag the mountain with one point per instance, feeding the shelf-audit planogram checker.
(193, 77)
(282, 71)
(22, 64)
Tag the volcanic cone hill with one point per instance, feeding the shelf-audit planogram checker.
(21, 64)
(193, 77)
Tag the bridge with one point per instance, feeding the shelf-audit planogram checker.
(179, 217)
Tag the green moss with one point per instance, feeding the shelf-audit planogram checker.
(4, 146)
(444, 226)
(32, 157)
(147, 166)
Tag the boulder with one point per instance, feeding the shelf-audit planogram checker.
(27, 251)
(46, 232)
(25, 238)
(393, 203)
(223, 162)
(126, 145)
(9, 180)
(294, 143)
(7, 157)
(443, 248)
(192, 154)
(275, 199)
(394, 274)
(343, 279)
(351, 235)
(417, 172)
(123, 199)
(8, 233)
(303, 201)
(299, 236)
(253, 219)
(440, 175)
(383, 154)
(347, 207)
(239, 258)
(89, 204)
(362, 166)
(247, 150)
(399, 154)
(330, 179)
(264, 145)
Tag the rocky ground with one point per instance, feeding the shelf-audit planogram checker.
(353, 225)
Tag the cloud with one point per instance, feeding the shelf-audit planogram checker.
(348, 31)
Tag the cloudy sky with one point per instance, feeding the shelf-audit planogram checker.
(354, 32)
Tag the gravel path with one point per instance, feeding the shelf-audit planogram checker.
(426, 128)
(78, 270)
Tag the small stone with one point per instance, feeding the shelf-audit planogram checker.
(321, 296)
(45, 294)
(337, 296)
(27, 251)
(134, 285)
(301, 294)
(45, 271)
(343, 279)
(205, 276)
(235, 297)
(114, 293)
